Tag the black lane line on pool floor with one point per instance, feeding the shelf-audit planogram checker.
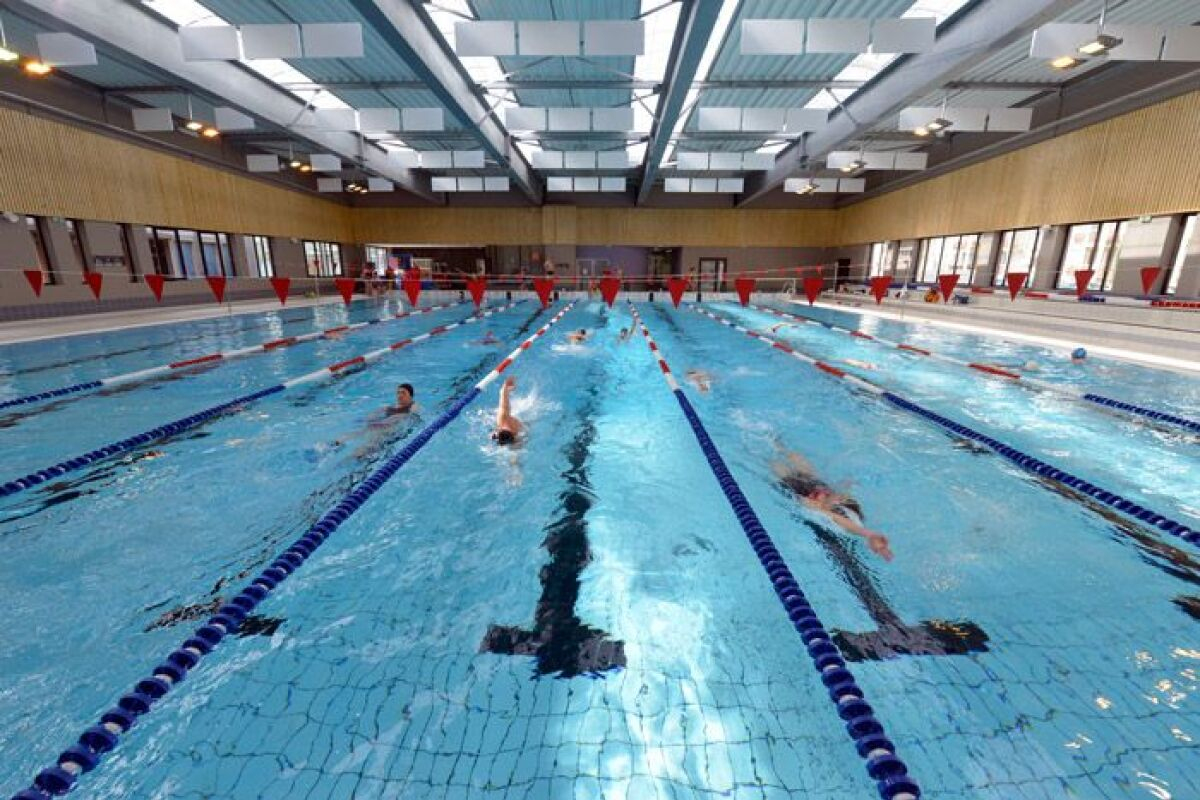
(893, 636)
(563, 644)
(319, 500)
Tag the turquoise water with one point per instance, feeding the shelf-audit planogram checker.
(664, 666)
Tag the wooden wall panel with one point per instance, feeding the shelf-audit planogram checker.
(1144, 162)
(50, 168)
(467, 226)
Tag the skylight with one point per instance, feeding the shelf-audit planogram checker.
(482, 69)
(652, 65)
(724, 18)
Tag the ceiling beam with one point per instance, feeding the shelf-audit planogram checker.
(409, 31)
(697, 18)
(982, 30)
(152, 43)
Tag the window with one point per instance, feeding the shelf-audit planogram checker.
(323, 259)
(258, 256)
(882, 258)
(1018, 253)
(983, 253)
(1181, 254)
(377, 256)
(78, 246)
(127, 251)
(931, 258)
(904, 258)
(214, 256)
(226, 254)
(1096, 247)
(37, 232)
(190, 254)
(948, 255)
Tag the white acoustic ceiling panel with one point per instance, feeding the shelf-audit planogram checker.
(329, 184)
(587, 184)
(772, 37)
(612, 184)
(731, 185)
(792, 185)
(763, 119)
(1183, 44)
(495, 184)
(799, 120)
(826, 185)
(65, 50)
(852, 185)
(153, 119)
(262, 163)
(538, 38)
(408, 159)
(758, 161)
(230, 119)
(468, 184)
(525, 119)
(423, 119)
(903, 35)
(612, 119)
(570, 119)
(468, 159)
(441, 183)
(614, 37)
(1011, 120)
(691, 161)
(271, 41)
(332, 40)
(437, 159)
(917, 116)
(962, 119)
(879, 160)
(332, 119)
(559, 184)
(380, 185)
(547, 159)
(704, 185)
(719, 119)
(836, 35)
(677, 185)
(1138, 42)
(967, 119)
(1060, 39)
(836, 159)
(493, 38)
(210, 43)
(579, 159)
(324, 162)
(725, 161)
(911, 160)
(613, 159)
(378, 120)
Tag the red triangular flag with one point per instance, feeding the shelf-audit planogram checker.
(676, 287)
(812, 288)
(744, 287)
(477, 286)
(281, 286)
(1082, 278)
(155, 282)
(609, 286)
(412, 288)
(879, 287)
(94, 280)
(1149, 276)
(947, 284)
(1015, 281)
(36, 280)
(345, 286)
(217, 284)
(543, 287)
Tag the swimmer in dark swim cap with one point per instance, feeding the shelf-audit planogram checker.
(508, 428)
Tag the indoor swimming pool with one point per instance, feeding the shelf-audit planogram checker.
(582, 616)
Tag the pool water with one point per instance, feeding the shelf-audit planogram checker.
(582, 617)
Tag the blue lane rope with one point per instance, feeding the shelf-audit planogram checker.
(1150, 413)
(101, 738)
(125, 445)
(889, 772)
(1041, 468)
(60, 392)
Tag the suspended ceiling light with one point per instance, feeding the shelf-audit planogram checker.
(854, 166)
(306, 167)
(8, 55)
(194, 125)
(1066, 62)
(1100, 45)
(808, 187)
(210, 133)
(38, 68)
(296, 163)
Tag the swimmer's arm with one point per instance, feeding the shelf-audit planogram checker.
(876, 541)
(504, 407)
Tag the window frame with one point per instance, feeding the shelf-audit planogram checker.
(37, 230)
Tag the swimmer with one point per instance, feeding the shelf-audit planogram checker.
(798, 476)
(625, 335)
(404, 402)
(508, 428)
(378, 422)
(860, 364)
(700, 379)
(1078, 355)
(778, 326)
(489, 338)
(577, 337)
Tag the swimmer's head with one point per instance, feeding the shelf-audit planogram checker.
(404, 394)
(503, 436)
(1032, 366)
(1078, 354)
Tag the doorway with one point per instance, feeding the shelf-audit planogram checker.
(712, 274)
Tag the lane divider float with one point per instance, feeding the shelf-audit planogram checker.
(883, 765)
(102, 738)
(163, 369)
(1069, 392)
(1012, 454)
(233, 406)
